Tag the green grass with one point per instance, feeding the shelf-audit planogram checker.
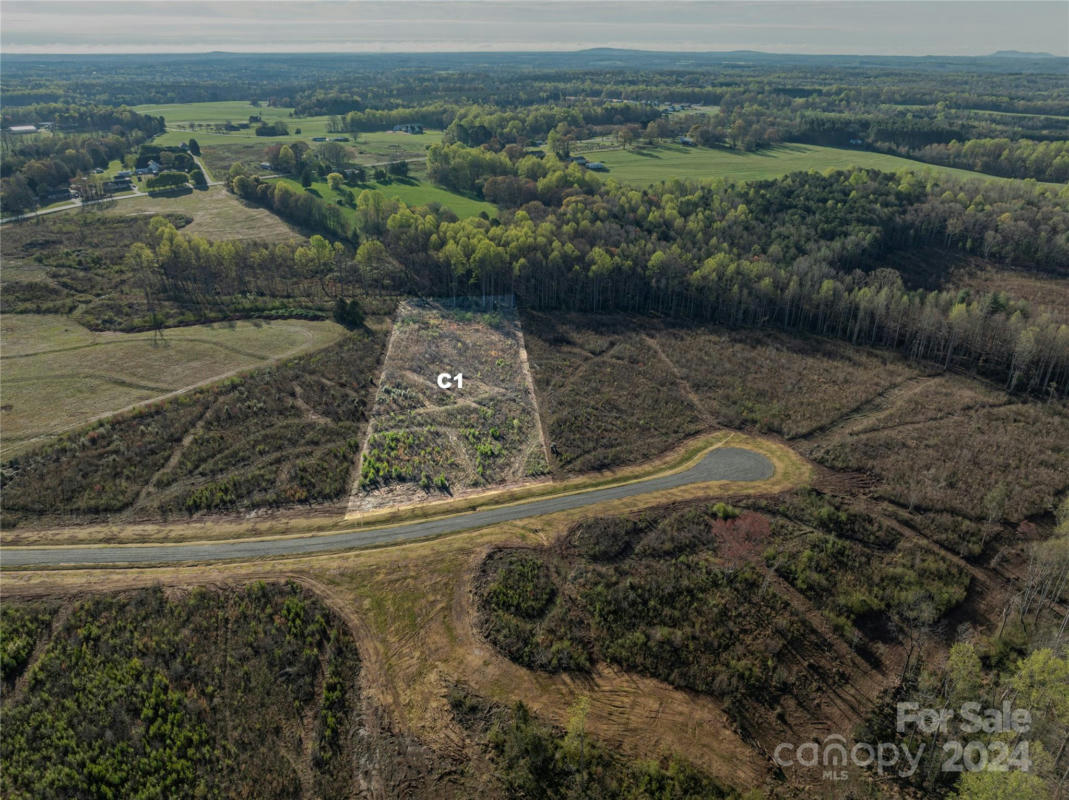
(58, 374)
(646, 165)
(236, 111)
(413, 193)
(179, 116)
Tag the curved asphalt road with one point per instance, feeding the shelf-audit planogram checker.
(724, 463)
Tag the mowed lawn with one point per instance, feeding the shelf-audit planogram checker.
(413, 191)
(647, 165)
(58, 374)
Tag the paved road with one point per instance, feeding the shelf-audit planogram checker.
(725, 463)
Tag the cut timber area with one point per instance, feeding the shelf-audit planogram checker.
(426, 441)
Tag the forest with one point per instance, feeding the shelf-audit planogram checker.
(145, 695)
(806, 252)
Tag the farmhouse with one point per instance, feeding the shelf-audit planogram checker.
(58, 193)
(23, 129)
(408, 127)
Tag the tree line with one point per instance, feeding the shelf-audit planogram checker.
(804, 252)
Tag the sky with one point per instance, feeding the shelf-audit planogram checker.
(867, 27)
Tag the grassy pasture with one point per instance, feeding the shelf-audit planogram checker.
(646, 165)
(223, 149)
(216, 214)
(181, 115)
(58, 374)
(220, 151)
(413, 191)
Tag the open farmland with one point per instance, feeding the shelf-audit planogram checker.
(215, 214)
(644, 165)
(424, 440)
(58, 374)
(221, 150)
(189, 117)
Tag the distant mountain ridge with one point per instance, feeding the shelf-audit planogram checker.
(1020, 54)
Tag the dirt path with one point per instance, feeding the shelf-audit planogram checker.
(355, 492)
(864, 412)
(58, 621)
(684, 387)
(176, 455)
(525, 367)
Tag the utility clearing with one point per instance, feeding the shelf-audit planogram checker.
(455, 410)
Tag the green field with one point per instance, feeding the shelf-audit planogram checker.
(371, 147)
(414, 192)
(58, 374)
(646, 165)
(183, 114)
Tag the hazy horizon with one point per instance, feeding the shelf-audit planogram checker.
(861, 28)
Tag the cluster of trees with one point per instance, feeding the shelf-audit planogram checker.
(174, 265)
(68, 118)
(511, 177)
(1020, 660)
(478, 125)
(802, 252)
(167, 180)
(298, 207)
(36, 169)
(1023, 158)
(632, 605)
(300, 160)
(535, 760)
(276, 128)
(429, 115)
